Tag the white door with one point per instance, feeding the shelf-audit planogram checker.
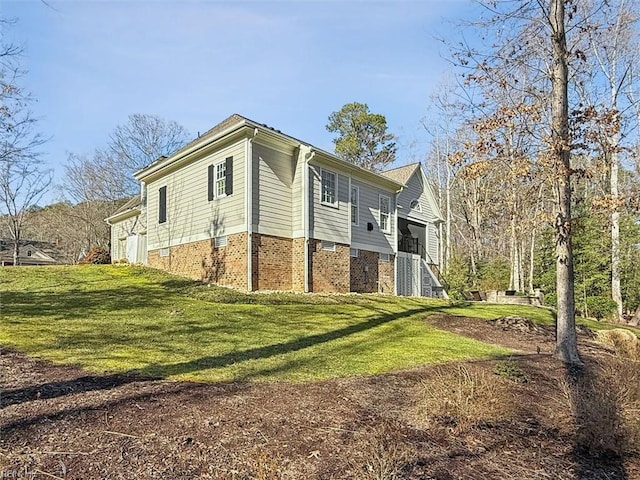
(409, 274)
(132, 248)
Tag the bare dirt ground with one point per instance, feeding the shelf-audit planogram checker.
(504, 418)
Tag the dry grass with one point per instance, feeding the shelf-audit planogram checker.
(624, 342)
(604, 399)
(384, 455)
(466, 395)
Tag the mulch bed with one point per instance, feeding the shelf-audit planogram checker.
(61, 422)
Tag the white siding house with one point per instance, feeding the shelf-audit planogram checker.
(248, 206)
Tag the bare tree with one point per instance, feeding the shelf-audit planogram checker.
(23, 179)
(107, 174)
(613, 43)
(529, 41)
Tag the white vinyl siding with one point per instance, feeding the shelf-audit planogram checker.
(432, 242)
(120, 231)
(189, 215)
(369, 203)
(329, 223)
(297, 194)
(415, 191)
(271, 185)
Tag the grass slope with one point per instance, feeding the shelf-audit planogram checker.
(121, 318)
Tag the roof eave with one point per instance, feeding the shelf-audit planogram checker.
(118, 217)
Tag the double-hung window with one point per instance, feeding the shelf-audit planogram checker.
(385, 214)
(220, 180)
(355, 205)
(329, 195)
(221, 177)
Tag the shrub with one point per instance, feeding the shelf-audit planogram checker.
(510, 370)
(97, 256)
(600, 307)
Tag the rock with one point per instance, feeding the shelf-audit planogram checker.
(514, 322)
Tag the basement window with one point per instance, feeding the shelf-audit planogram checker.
(354, 252)
(329, 246)
(220, 241)
(385, 257)
(164, 252)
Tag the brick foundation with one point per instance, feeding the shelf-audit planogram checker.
(364, 272)
(297, 264)
(202, 261)
(329, 271)
(278, 264)
(387, 276)
(271, 262)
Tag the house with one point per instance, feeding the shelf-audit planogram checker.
(248, 206)
(30, 253)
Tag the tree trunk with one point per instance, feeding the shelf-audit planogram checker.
(616, 292)
(447, 258)
(16, 252)
(636, 318)
(566, 341)
(532, 251)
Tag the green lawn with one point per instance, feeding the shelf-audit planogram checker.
(121, 318)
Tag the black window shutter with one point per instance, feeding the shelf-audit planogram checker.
(162, 217)
(210, 181)
(228, 190)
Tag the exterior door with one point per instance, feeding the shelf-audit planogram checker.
(409, 274)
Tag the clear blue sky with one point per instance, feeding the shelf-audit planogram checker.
(284, 63)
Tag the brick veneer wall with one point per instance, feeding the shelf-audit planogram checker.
(202, 261)
(329, 271)
(297, 264)
(272, 262)
(364, 272)
(387, 275)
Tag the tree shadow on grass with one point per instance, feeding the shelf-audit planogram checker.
(267, 351)
(77, 303)
(158, 371)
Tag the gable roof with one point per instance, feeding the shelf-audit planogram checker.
(401, 174)
(130, 208)
(44, 253)
(234, 124)
(404, 173)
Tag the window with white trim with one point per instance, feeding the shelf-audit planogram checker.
(385, 257)
(355, 205)
(221, 179)
(415, 205)
(164, 252)
(329, 246)
(329, 195)
(354, 252)
(385, 213)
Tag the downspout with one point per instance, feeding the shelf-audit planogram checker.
(249, 208)
(395, 242)
(305, 216)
